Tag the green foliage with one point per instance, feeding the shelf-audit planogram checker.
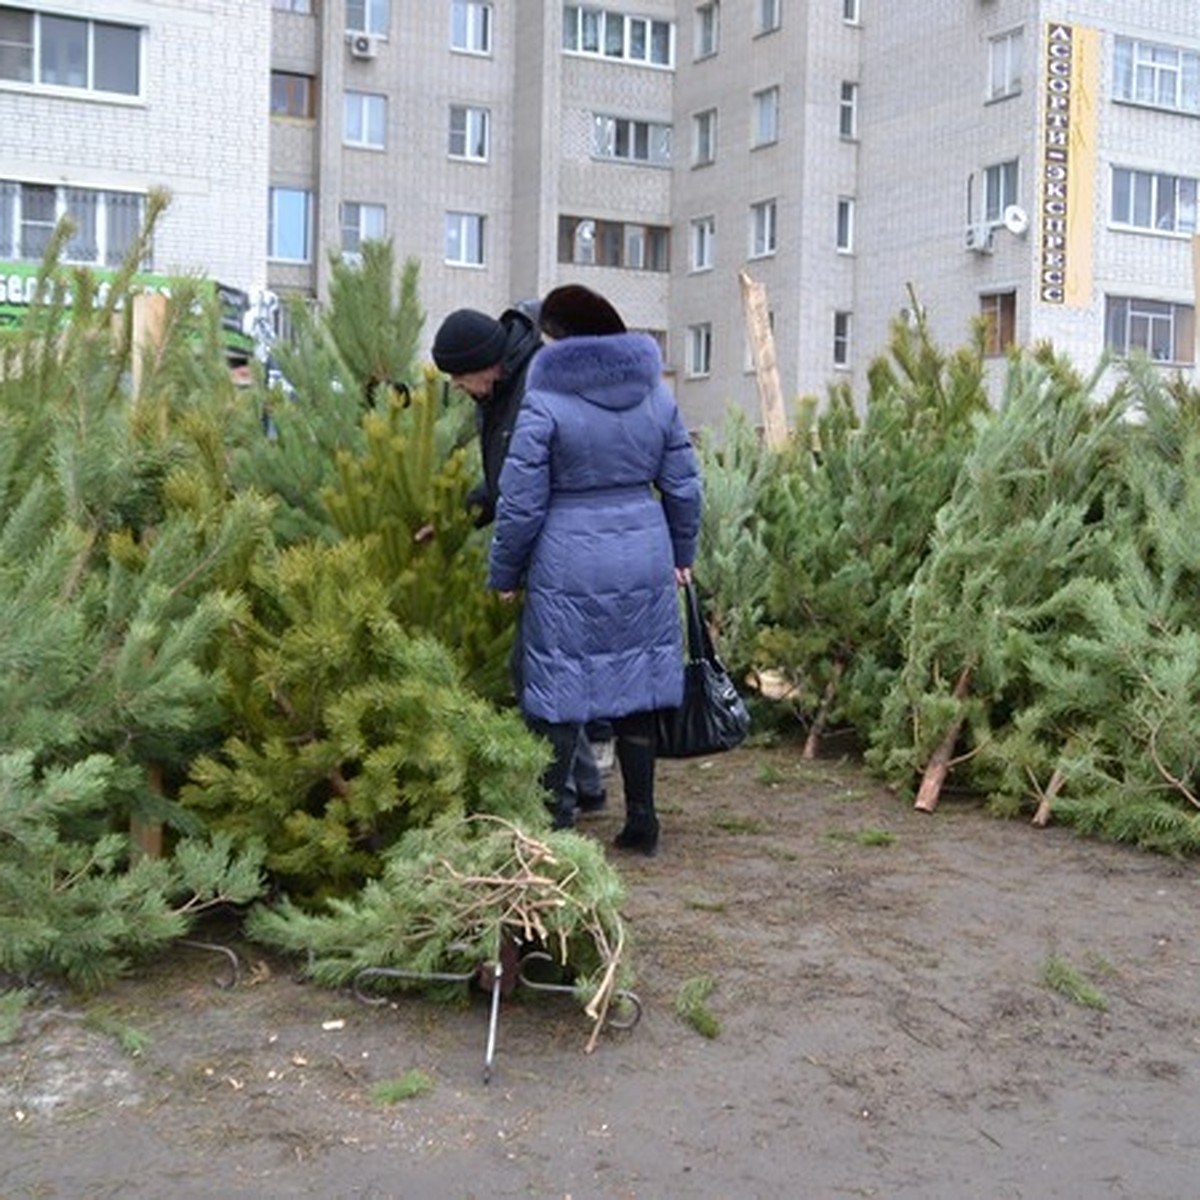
(691, 1005)
(408, 1086)
(1060, 976)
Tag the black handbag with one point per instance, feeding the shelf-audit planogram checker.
(712, 717)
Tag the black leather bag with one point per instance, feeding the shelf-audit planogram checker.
(712, 717)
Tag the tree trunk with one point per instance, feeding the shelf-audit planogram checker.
(1042, 816)
(938, 766)
(813, 741)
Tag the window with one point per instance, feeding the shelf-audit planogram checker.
(469, 132)
(841, 339)
(762, 229)
(704, 137)
(769, 15)
(1004, 65)
(464, 239)
(70, 52)
(999, 190)
(289, 225)
(296, 6)
(845, 224)
(765, 109)
(850, 12)
(107, 224)
(707, 30)
(999, 313)
(291, 95)
(631, 141)
(365, 120)
(616, 35)
(590, 242)
(1165, 332)
(367, 16)
(361, 223)
(704, 233)
(1161, 76)
(471, 26)
(1144, 200)
(848, 111)
(699, 350)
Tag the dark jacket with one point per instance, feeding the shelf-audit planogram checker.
(496, 416)
(599, 501)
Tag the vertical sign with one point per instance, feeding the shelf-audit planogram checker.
(1067, 170)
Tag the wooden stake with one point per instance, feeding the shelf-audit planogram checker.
(766, 366)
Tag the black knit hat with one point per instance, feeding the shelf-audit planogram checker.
(468, 341)
(575, 311)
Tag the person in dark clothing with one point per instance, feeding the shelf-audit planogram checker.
(488, 358)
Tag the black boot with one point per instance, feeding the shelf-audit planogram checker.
(635, 753)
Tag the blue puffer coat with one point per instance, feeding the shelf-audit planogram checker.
(599, 502)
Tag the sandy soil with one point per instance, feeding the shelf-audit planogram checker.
(886, 1029)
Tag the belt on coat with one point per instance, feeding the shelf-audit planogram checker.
(631, 491)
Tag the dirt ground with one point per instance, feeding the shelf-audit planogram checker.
(886, 1029)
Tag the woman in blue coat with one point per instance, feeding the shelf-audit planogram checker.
(597, 522)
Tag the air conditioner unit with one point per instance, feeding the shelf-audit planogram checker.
(363, 45)
(980, 238)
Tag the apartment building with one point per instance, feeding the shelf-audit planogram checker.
(1030, 162)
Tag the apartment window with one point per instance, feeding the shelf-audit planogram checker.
(70, 52)
(107, 224)
(762, 229)
(848, 111)
(699, 350)
(615, 35)
(1146, 200)
(769, 15)
(1166, 332)
(361, 223)
(707, 30)
(845, 224)
(365, 122)
(296, 6)
(765, 108)
(999, 190)
(850, 13)
(368, 16)
(289, 225)
(291, 95)
(999, 313)
(469, 132)
(704, 137)
(704, 235)
(587, 241)
(464, 238)
(631, 141)
(841, 339)
(471, 26)
(1005, 54)
(1161, 76)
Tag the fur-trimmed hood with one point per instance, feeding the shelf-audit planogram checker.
(615, 371)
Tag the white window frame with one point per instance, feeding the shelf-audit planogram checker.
(623, 139)
(707, 30)
(364, 120)
(764, 228)
(764, 108)
(848, 111)
(845, 225)
(1006, 54)
(465, 243)
(33, 63)
(107, 223)
(470, 27)
(281, 231)
(850, 12)
(361, 222)
(368, 16)
(1154, 201)
(699, 350)
(703, 243)
(704, 138)
(618, 37)
(768, 16)
(304, 7)
(470, 135)
(843, 325)
(1001, 182)
(1156, 75)
(1133, 324)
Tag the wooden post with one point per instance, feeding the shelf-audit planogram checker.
(766, 367)
(1196, 302)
